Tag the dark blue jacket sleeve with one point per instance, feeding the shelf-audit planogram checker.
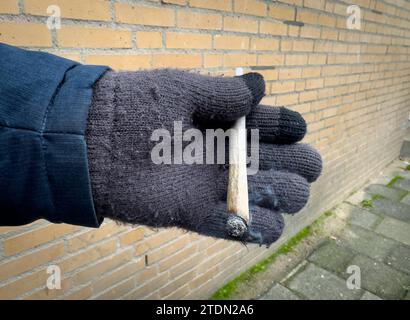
(44, 103)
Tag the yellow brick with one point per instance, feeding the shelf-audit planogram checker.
(167, 250)
(240, 24)
(314, 83)
(307, 96)
(85, 257)
(118, 275)
(212, 60)
(30, 261)
(294, 60)
(315, 4)
(323, 46)
(147, 273)
(271, 59)
(45, 294)
(288, 99)
(269, 100)
(281, 12)
(239, 60)
(25, 34)
(176, 61)
(331, 121)
(316, 126)
(121, 62)
(177, 258)
(151, 16)
(340, 47)
(216, 247)
(162, 237)
(269, 75)
(195, 20)
(286, 45)
(132, 236)
(310, 32)
(179, 293)
(144, 291)
(329, 34)
(9, 6)
(4, 230)
(293, 31)
(298, 3)
(252, 7)
(74, 9)
(334, 70)
(175, 40)
(300, 85)
(231, 42)
(293, 73)
(149, 40)
(307, 17)
(326, 20)
(282, 87)
(174, 284)
(79, 37)
(81, 294)
(70, 56)
(303, 45)
(203, 278)
(224, 5)
(117, 291)
(326, 132)
(317, 59)
(329, 112)
(265, 44)
(274, 28)
(178, 2)
(102, 266)
(35, 238)
(20, 286)
(311, 72)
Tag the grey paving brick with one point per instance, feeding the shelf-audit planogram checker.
(279, 292)
(316, 283)
(358, 197)
(366, 242)
(403, 184)
(363, 218)
(387, 192)
(395, 229)
(399, 258)
(402, 173)
(383, 179)
(391, 208)
(380, 279)
(357, 216)
(369, 296)
(406, 199)
(332, 257)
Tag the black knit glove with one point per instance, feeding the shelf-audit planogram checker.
(127, 185)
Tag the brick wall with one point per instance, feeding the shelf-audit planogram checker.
(352, 86)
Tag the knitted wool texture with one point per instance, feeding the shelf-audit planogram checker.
(127, 186)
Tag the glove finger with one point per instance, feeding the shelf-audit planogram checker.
(277, 124)
(301, 159)
(224, 99)
(278, 190)
(264, 227)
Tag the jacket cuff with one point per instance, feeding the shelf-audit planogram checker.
(65, 149)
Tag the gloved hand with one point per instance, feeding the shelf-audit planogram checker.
(127, 186)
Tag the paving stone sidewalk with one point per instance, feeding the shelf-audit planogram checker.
(376, 239)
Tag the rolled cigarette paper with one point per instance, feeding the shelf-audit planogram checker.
(237, 199)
